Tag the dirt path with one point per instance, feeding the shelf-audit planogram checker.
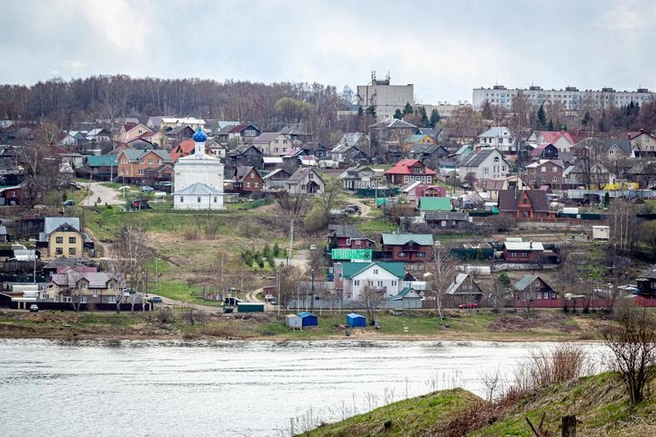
(101, 194)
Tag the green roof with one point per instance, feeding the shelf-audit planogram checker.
(350, 270)
(401, 239)
(525, 282)
(435, 204)
(102, 161)
(403, 293)
(351, 254)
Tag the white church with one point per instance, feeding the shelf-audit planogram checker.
(198, 179)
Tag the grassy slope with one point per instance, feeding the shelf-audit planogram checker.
(599, 403)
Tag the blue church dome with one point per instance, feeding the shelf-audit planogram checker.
(199, 136)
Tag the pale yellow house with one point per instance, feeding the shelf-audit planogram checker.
(131, 131)
(62, 237)
(82, 284)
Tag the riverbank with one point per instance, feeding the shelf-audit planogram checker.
(192, 324)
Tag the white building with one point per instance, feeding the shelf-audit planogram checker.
(501, 138)
(384, 97)
(383, 277)
(198, 179)
(487, 164)
(570, 98)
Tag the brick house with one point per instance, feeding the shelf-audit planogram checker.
(544, 172)
(138, 165)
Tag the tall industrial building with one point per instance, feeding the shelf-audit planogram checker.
(384, 97)
(570, 98)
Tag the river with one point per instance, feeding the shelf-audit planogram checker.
(154, 388)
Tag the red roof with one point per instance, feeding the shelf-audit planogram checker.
(405, 166)
(183, 149)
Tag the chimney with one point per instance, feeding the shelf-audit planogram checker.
(530, 244)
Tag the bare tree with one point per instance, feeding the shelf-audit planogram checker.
(372, 298)
(130, 258)
(439, 273)
(632, 341)
(623, 225)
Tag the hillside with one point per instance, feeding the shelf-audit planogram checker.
(598, 402)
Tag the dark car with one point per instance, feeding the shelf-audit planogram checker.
(352, 209)
(68, 202)
(468, 305)
(155, 299)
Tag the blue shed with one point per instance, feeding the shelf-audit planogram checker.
(309, 319)
(355, 320)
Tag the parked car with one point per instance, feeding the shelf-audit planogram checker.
(468, 305)
(155, 299)
(147, 188)
(352, 209)
(34, 308)
(68, 202)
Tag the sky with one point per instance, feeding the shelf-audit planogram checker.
(444, 48)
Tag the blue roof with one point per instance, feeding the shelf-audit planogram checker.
(306, 314)
(199, 136)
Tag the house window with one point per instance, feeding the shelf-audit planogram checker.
(140, 172)
(248, 184)
(523, 255)
(181, 199)
(198, 199)
(112, 299)
(83, 285)
(311, 176)
(380, 283)
(543, 169)
(71, 251)
(59, 240)
(513, 254)
(402, 254)
(141, 161)
(393, 283)
(375, 271)
(59, 251)
(420, 254)
(111, 285)
(252, 176)
(486, 171)
(356, 282)
(554, 169)
(72, 240)
(159, 161)
(95, 292)
(150, 161)
(256, 184)
(214, 199)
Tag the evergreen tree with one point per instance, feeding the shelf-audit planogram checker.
(434, 118)
(398, 114)
(550, 127)
(371, 110)
(542, 117)
(487, 110)
(424, 117)
(407, 109)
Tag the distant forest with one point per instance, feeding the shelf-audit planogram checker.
(312, 107)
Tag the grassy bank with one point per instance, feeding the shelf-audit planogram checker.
(194, 322)
(599, 403)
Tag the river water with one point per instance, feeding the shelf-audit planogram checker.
(153, 388)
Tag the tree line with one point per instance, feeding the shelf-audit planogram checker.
(313, 106)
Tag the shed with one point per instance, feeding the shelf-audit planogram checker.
(293, 321)
(309, 319)
(250, 307)
(355, 320)
(600, 232)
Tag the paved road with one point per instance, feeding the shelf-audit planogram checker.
(106, 195)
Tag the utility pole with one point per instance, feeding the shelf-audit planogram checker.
(312, 293)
